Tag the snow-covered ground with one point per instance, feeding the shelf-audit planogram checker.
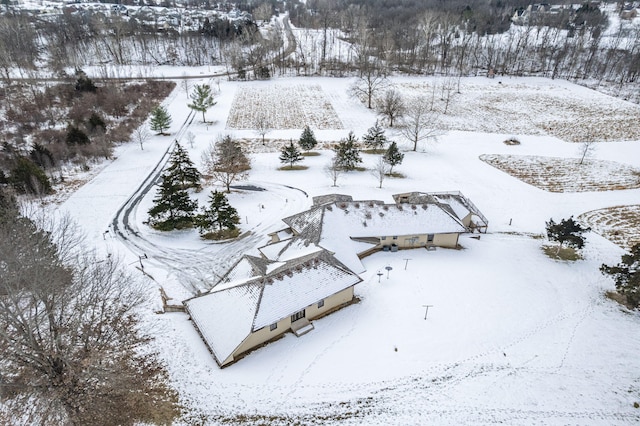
(513, 337)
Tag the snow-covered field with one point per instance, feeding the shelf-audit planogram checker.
(567, 174)
(539, 106)
(513, 337)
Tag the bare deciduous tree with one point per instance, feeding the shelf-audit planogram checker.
(334, 170)
(420, 123)
(368, 85)
(262, 125)
(225, 161)
(587, 148)
(380, 170)
(69, 334)
(191, 138)
(391, 106)
(141, 135)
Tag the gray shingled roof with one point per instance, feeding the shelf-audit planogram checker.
(231, 312)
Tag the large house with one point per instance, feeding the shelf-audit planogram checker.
(309, 268)
(259, 300)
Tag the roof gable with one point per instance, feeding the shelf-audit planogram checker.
(290, 290)
(231, 311)
(225, 317)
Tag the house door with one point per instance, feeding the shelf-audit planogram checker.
(298, 315)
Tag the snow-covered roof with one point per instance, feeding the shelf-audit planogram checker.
(299, 286)
(225, 318)
(230, 312)
(272, 251)
(247, 267)
(334, 221)
(330, 198)
(384, 220)
(454, 201)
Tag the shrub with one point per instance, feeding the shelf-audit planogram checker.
(512, 141)
(76, 136)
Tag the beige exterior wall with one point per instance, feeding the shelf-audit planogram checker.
(421, 240)
(466, 221)
(265, 334)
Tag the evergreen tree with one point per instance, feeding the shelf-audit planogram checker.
(307, 139)
(160, 120)
(627, 275)
(96, 122)
(393, 157)
(375, 137)
(76, 136)
(202, 99)
(182, 170)
(347, 153)
(172, 209)
(290, 154)
(219, 214)
(566, 231)
(84, 83)
(28, 178)
(42, 156)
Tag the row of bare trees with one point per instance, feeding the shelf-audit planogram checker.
(431, 38)
(439, 39)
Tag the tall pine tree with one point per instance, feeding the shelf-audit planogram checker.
(290, 154)
(182, 170)
(347, 153)
(219, 215)
(375, 137)
(393, 157)
(172, 209)
(307, 139)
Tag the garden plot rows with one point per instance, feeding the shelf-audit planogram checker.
(620, 224)
(283, 107)
(566, 174)
(536, 109)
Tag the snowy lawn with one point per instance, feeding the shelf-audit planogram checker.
(567, 174)
(513, 336)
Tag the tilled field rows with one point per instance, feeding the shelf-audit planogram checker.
(620, 224)
(566, 174)
(516, 108)
(283, 107)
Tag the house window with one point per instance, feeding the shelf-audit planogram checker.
(383, 238)
(395, 237)
(321, 304)
(298, 315)
(273, 326)
(429, 238)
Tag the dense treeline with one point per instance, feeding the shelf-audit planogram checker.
(452, 37)
(466, 38)
(46, 127)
